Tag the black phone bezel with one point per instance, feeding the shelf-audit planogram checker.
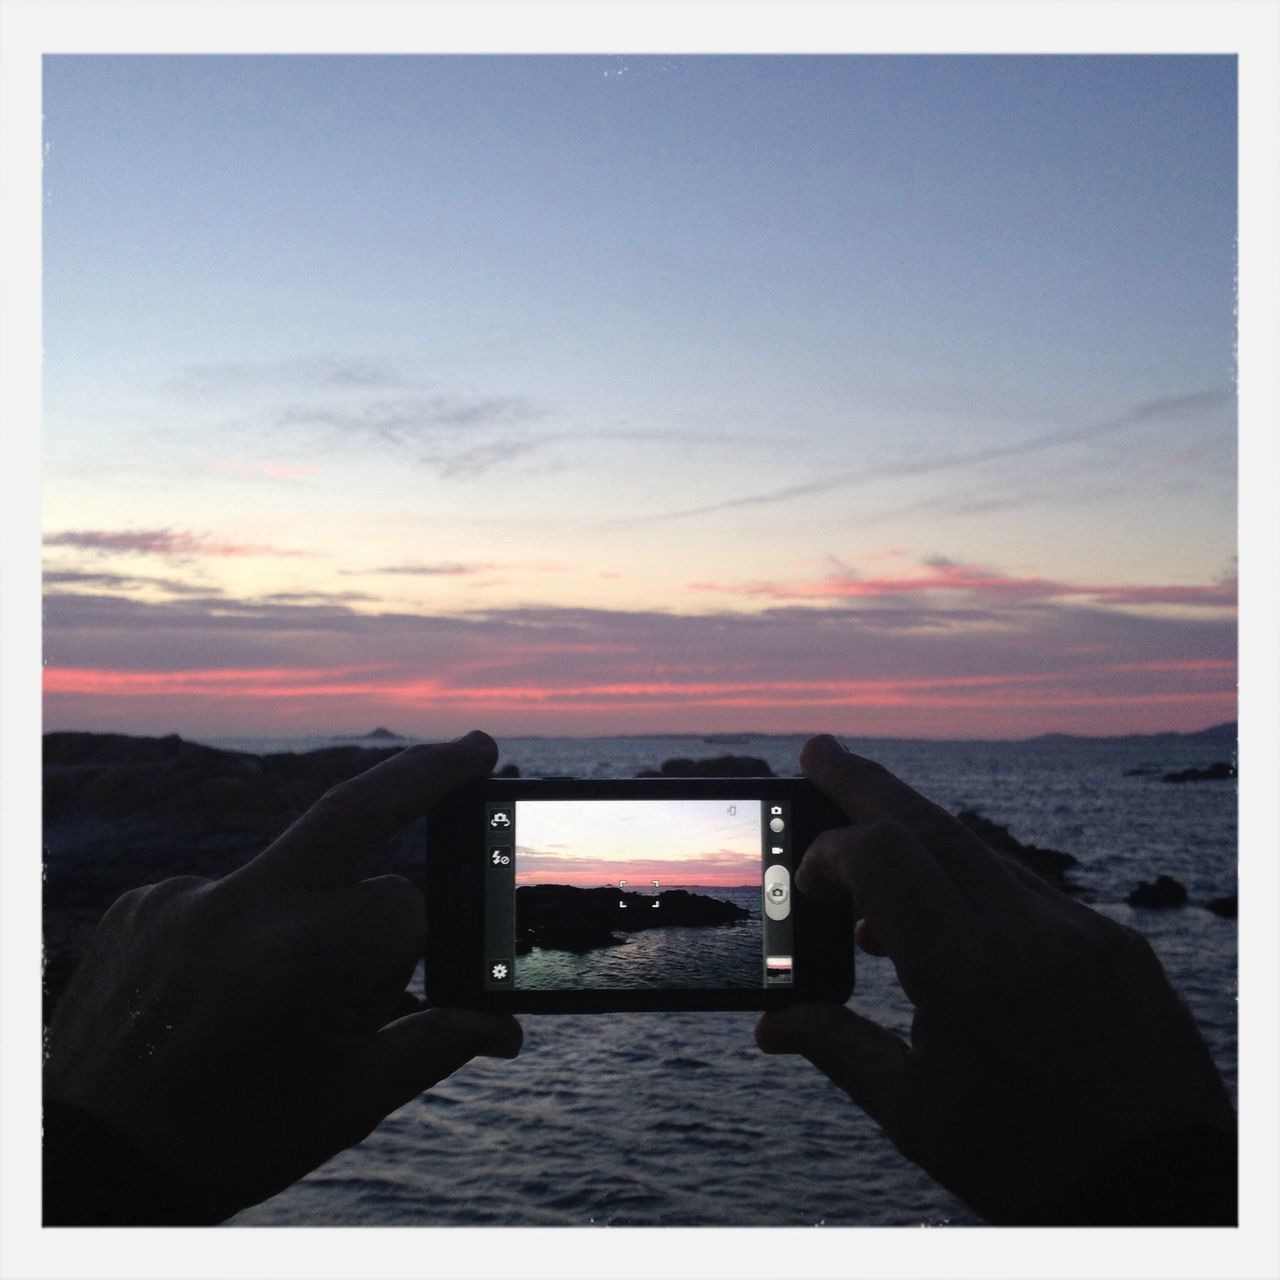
(455, 959)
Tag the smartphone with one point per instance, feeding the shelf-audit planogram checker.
(583, 896)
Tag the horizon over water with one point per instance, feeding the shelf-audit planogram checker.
(659, 1119)
(725, 742)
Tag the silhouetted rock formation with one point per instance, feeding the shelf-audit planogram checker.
(562, 917)
(123, 811)
(1225, 907)
(1163, 892)
(182, 790)
(1219, 771)
(1049, 864)
(710, 767)
(380, 732)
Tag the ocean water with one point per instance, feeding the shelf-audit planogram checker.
(677, 1118)
(727, 955)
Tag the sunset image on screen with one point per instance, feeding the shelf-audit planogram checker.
(679, 843)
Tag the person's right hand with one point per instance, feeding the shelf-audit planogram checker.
(1048, 1054)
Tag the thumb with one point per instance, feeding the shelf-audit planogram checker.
(866, 1061)
(411, 1054)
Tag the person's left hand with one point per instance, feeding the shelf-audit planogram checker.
(239, 1032)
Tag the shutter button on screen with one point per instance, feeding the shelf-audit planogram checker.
(777, 893)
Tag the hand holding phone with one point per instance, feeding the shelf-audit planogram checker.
(1053, 1075)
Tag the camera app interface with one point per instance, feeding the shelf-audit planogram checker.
(610, 894)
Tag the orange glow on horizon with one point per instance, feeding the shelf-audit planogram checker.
(604, 875)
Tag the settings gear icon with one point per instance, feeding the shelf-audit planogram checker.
(499, 971)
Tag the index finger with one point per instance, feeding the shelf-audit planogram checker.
(868, 792)
(333, 843)
(915, 909)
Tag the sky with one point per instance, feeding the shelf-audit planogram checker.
(584, 394)
(708, 843)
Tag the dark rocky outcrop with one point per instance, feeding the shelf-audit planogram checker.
(1225, 907)
(710, 767)
(507, 771)
(1161, 893)
(565, 918)
(183, 789)
(1219, 771)
(123, 811)
(1049, 864)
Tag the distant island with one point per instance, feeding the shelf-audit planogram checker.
(1228, 731)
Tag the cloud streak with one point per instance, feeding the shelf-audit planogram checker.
(238, 377)
(443, 569)
(401, 421)
(947, 576)
(1150, 411)
(161, 542)
(123, 582)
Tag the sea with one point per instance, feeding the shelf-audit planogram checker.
(677, 1119)
(729, 955)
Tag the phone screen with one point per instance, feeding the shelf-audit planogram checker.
(600, 895)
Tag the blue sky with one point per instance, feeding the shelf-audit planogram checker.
(903, 370)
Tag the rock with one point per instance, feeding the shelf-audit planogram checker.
(380, 733)
(328, 766)
(230, 796)
(121, 811)
(300, 793)
(563, 917)
(1219, 771)
(710, 767)
(117, 790)
(1225, 907)
(1163, 892)
(508, 771)
(107, 748)
(681, 907)
(1048, 864)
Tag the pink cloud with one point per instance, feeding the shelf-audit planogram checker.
(944, 576)
(394, 687)
(900, 668)
(723, 868)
